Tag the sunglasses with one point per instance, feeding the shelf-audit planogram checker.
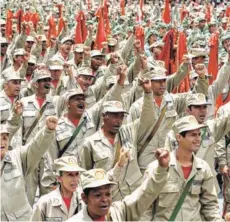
(4, 45)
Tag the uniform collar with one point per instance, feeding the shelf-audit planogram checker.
(86, 216)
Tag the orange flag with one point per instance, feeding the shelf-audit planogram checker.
(9, 24)
(183, 12)
(208, 13)
(52, 27)
(19, 17)
(100, 35)
(227, 12)
(106, 18)
(140, 34)
(167, 51)
(35, 19)
(181, 51)
(81, 29)
(166, 13)
(213, 56)
(122, 7)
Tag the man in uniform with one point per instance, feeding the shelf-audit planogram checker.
(216, 128)
(189, 175)
(18, 164)
(97, 196)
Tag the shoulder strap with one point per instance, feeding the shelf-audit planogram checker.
(118, 150)
(75, 133)
(155, 128)
(181, 200)
(38, 117)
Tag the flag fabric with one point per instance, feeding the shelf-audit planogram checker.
(100, 35)
(166, 17)
(81, 29)
(213, 56)
(167, 51)
(208, 13)
(181, 51)
(9, 24)
(122, 7)
(52, 27)
(140, 34)
(19, 17)
(106, 19)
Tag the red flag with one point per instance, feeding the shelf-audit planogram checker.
(52, 27)
(227, 12)
(122, 6)
(140, 34)
(208, 13)
(167, 51)
(166, 13)
(101, 35)
(35, 19)
(181, 51)
(106, 18)
(213, 56)
(19, 17)
(183, 12)
(9, 24)
(81, 30)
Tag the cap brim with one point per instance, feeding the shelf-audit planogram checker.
(199, 103)
(44, 77)
(159, 78)
(56, 67)
(113, 110)
(193, 127)
(72, 169)
(79, 51)
(98, 183)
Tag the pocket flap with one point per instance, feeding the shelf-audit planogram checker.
(29, 113)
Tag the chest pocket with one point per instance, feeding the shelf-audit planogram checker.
(170, 117)
(13, 177)
(195, 191)
(5, 112)
(29, 117)
(169, 195)
(63, 135)
(102, 160)
(53, 219)
(50, 111)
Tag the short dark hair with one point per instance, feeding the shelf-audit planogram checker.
(87, 190)
(183, 133)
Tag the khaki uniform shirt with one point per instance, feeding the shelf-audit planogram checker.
(52, 207)
(132, 206)
(98, 152)
(201, 201)
(18, 164)
(216, 128)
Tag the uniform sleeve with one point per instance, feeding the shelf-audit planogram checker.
(86, 160)
(134, 205)
(127, 48)
(174, 80)
(38, 213)
(35, 149)
(208, 198)
(201, 86)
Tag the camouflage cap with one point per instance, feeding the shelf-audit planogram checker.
(3, 40)
(225, 37)
(68, 38)
(41, 74)
(19, 51)
(196, 52)
(30, 38)
(67, 163)
(113, 107)
(95, 178)
(112, 42)
(13, 76)
(186, 123)
(55, 65)
(32, 59)
(95, 53)
(197, 99)
(79, 48)
(4, 129)
(73, 92)
(157, 74)
(85, 71)
(157, 44)
(224, 20)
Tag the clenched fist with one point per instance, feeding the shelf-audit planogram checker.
(163, 157)
(51, 122)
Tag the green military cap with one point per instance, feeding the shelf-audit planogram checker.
(157, 74)
(197, 99)
(67, 163)
(113, 107)
(157, 44)
(41, 74)
(4, 129)
(19, 51)
(89, 22)
(225, 37)
(213, 22)
(186, 123)
(224, 20)
(200, 19)
(30, 38)
(162, 25)
(55, 64)
(130, 29)
(95, 178)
